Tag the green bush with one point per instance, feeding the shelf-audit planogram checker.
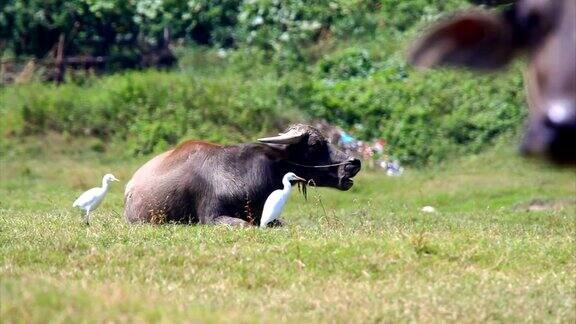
(426, 117)
(345, 65)
(401, 15)
(148, 110)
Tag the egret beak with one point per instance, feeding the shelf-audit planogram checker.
(300, 179)
(302, 186)
(115, 179)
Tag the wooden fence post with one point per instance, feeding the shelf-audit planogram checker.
(60, 66)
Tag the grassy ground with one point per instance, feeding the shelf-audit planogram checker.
(367, 255)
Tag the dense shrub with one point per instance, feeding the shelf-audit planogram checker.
(344, 65)
(400, 15)
(147, 110)
(425, 116)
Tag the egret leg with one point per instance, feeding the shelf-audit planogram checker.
(87, 217)
(231, 221)
(278, 222)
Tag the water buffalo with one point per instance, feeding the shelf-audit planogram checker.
(544, 30)
(199, 182)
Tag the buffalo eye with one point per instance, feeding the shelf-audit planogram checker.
(534, 21)
(317, 145)
(317, 150)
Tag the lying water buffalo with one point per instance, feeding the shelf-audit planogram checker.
(544, 30)
(199, 182)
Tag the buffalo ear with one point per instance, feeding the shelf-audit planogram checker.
(290, 137)
(477, 39)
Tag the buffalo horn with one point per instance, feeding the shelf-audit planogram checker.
(290, 137)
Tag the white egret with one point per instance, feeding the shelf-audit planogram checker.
(275, 202)
(89, 200)
(428, 209)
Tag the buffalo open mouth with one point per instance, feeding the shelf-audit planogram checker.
(345, 183)
(349, 171)
(553, 143)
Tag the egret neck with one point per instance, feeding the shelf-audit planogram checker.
(287, 185)
(105, 184)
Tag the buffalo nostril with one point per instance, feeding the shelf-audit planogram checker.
(353, 166)
(561, 113)
(354, 161)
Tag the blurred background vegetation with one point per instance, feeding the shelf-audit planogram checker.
(151, 73)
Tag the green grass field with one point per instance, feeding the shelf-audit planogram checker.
(367, 255)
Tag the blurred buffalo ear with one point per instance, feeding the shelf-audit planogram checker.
(492, 2)
(479, 40)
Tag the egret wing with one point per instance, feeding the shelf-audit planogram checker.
(273, 206)
(87, 198)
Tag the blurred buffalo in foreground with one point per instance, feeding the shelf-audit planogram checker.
(544, 31)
